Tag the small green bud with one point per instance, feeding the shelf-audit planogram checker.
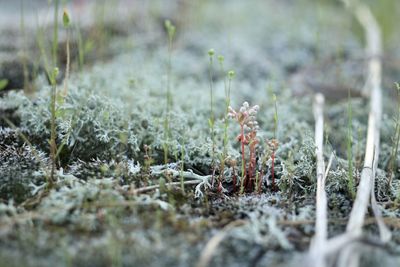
(170, 28)
(3, 83)
(397, 85)
(231, 74)
(274, 97)
(55, 73)
(53, 76)
(167, 24)
(104, 168)
(211, 52)
(66, 19)
(221, 59)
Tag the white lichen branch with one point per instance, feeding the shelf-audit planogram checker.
(321, 224)
(171, 171)
(350, 256)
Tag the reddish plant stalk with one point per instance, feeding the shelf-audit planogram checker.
(251, 166)
(219, 187)
(252, 141)
(246, 116)
(234, 179)
(250, 171)
(243, 157)
(273, 168)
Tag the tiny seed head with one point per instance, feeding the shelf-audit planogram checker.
(56, 71)
(66, 19)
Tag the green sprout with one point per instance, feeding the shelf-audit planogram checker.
(66, 23)
(27, 86)
(274, 142)
(55, 33)
(66, 19)
(3, 84)
(211, 121)
(396, 140)
(171, 30)
(350, 182)
(227, 89)
(53, 133)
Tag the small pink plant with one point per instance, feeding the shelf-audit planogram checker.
(246, 117)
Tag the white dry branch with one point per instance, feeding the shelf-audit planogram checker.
(317, 256)
(321, 224)
(346, 244)
(146, 189)
(170, 171)
(350, 256)
(210, 248)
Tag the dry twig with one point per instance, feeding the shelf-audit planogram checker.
(214, 242)
(350, 256)
(317, 249)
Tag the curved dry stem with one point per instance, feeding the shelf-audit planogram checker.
(321, 225)
(350, 256)
(214, 242)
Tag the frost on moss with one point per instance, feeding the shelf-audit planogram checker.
(21, 167)
(124, 171)
(298, 169)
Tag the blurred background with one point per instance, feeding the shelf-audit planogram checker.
(289, 34)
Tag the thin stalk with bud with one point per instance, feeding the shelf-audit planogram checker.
(211, 121)
(66, 24)
(171, 30)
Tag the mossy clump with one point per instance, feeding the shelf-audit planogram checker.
(21, 168)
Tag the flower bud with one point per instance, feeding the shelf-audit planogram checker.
(66, 19)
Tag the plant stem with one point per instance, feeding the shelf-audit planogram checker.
(67, 67)
(53, 97)
(395, 148)
(275, 142)
(251, 166)
(81, 47)
(53, 145)
(182, 166)
(243, 159)
(273, 168)
(256, 182)
(40, 43)
(260, 181)
(226, 122)
(23, 48)
(350, 149)
(55, 33)
(212, 117)
(234, 179)
(171, 32)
